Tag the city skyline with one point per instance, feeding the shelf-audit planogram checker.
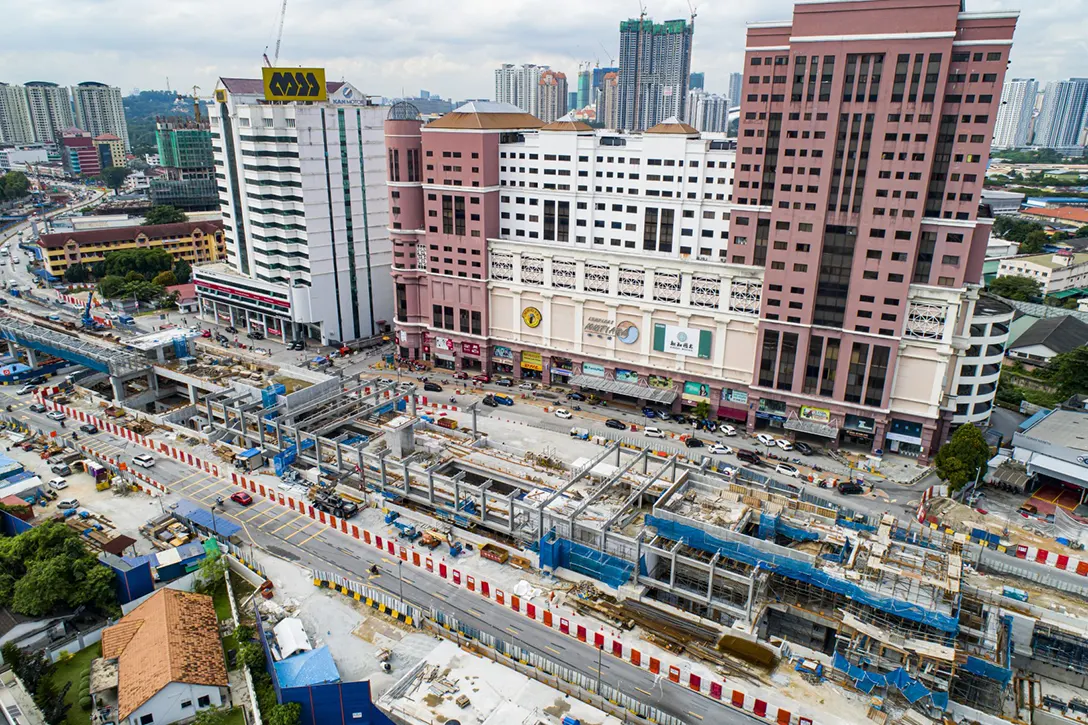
(417, 49)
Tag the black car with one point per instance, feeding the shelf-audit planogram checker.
(88, 428)
(693, 443)
(40, 380)
(576, 396)
(849, 488)
(804, 448)
(505, 383)
(743, 454)
(617, 424)
(255, 335)
(490, 402)
(296, 345)
(231, 329)
(432, 387)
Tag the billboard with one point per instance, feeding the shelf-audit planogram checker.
(532, 361)
(697, 392)
(593, 369)
(816, 415)
(294, 84)
(626, 376)
(684, 341)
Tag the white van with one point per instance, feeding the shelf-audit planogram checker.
(653, 432)
(143, 460)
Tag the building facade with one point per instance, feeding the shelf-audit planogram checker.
(99, 110)
(697, 82)
(50, 110)
(185, 152)
(585, 88)
(708, 112)
(1055, 273)
(655, 63)
(978, 367)
(1061, 121)
(15, 126)
(193, 242)
(79, 153)
(1013, 127)
(111, 150)
(552, 96)
(735, 82)
(303, 195)
(608, 101)
(519, 85)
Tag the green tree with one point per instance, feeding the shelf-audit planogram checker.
(164, 214)
(51, 702)
(146, 262)
(114, 176)
(111, 286)
(1034, 242)
(251, 655)
(141, 290)
(212, 716)
(210, 575)
(15, 185)
(702, 410)
(165, 279)
(1068, 372)
(77, 274)
(183, 271)
(962, 458)
(13, 656)
(286, 713)
(1082, 232)
(1021, 289)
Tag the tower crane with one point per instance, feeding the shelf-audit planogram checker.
(611, 60)
(279, 34)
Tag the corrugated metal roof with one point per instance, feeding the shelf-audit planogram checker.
(315, 667)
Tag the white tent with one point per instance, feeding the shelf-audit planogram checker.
(291, 637)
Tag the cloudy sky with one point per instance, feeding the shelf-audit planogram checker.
(390, 47)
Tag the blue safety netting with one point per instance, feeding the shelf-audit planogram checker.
(188, 511)
(912, 689)
(315, 667)
(989, 670)
(799, 571)
(556, 552)
(855, 525)
(770, 525)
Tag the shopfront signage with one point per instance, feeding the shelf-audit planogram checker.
(625, 332)
(816, 415)
(532, 361)
(859, 423)
(626, 376)
(531, 317)
(683, 341)
(734, 396)
(470, 348)
(443, 344)
(501, 352)
(696, 391)
(593, 369)
(656, 381)
(402, 337)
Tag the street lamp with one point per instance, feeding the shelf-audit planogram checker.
(600, 653)
(400, 578)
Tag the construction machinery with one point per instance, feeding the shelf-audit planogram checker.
(406, 530)
(333, 504)
(88, 321)
(279, 38)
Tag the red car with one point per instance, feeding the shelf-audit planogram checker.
(205, 333)
(482, 378)
(241, 497)
(460, 375)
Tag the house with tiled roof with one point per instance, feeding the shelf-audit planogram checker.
(162, 662)
(195, 242)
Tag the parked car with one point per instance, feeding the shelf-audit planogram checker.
(563, 413)
(743, 454)
(653, 431)
(849, 488)
(502, 399)
(241, 497)
(664, 415)
(720, 449)
(58, 484)
(505, 382)
(38, 408)
(255, 335)
(727, 429)
(296, 345)
(693, 442)
(576, 396)
(61, 469)
(205, 333)
(527, 386)
(804, 448)
(786, 470)
(68, 503)
(26, 389)
(765, 439)
(39, 380)
(56, 415)
(649, 412)
(615, 424)
(144, 460)
(481, 378)
(460, 375)
(707, 425)
(88, 428)
(432, 387)
(231, 329)
(490, 402)
(784, 444)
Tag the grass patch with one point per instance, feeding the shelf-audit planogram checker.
(70, 671)
(222, 602)
(235, 717)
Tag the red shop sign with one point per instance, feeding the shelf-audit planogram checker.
(470, 348)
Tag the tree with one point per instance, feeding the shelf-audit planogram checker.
(165, 279)
(1068, 372)
(212, 716)
(164, 214)
(286, 713)
(111, 286)
(146, 262)
(702, 410)
(1034, 242)
(210, 575)
(51, 702)
(14, 185)
(141, 290)
(963, 458)
(13, 656)
(114, 176)
(183, 271)
(134, 276)
(1021, 289)
(1082, 232)
(77, 274)
(251, 655)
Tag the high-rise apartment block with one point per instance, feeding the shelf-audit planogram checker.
(864, 137)
(1013, 127)
(303, 195)
(655, 62)
(79, 153)
(111, 150)
(15, 126)
(519, 85)
(708, 112)
(697, 82)
(598, 78)
(735, 81)
(585, 88)
(552, 96)
(1065, 111)
(608, 101)
(50, 110)
(99, 110)
(185, 152)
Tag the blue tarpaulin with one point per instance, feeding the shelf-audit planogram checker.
(246, 455)
(799, 571)
(204, 518)
(898, 678)
(556, 552)
(315, 667)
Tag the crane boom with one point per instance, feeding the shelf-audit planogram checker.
(279, 33)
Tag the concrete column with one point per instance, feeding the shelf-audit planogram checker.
(710, 578)
(339, 458)
(32, 357)
(430, 487)
(381, 471)
(407, 478)
(193, 395)
(118, 390)
(160, 354)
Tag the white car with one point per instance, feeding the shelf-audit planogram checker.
(27, 389)
(143, 460)
(783, 444)
(55, 415)
(720, 449)
(527, 386)
(765, 439)
(563, 413)
(727, 429)
(68, 503)
(653, 432)
(58, 484)
(787, 470)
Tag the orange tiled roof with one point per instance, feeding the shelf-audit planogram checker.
(172, 637)
(1065, 213)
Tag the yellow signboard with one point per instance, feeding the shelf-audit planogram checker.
(531, 316)
(295, 84)
(532, 361)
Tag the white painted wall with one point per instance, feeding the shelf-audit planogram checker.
(166, 706)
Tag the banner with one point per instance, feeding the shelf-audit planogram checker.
(532, 361)
(470, 348)
(816, 415)
(443, 344)
(626, 376)
(734, 396)
(657, 381)
(698, 392)
(593, 369)
(502, 352)
(684, 341)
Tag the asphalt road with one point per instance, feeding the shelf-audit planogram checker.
(278, 531)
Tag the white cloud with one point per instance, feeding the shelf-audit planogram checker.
(386, 46)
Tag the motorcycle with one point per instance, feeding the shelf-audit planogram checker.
(575, 407)
(75, 436)
(9, 408)
(218, 500)
(453, 399)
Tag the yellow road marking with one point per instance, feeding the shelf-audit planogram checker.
(266, 523)
(388, 562)
(477, 612)
(553, 649)
(288, 523)
(319, 533)
(644, 692)
(695, 714)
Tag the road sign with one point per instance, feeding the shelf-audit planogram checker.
(295, 84)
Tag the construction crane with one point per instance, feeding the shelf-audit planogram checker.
(611, 60)
(279, 35)
(88, 320)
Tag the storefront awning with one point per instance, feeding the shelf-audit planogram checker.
(665, 396)
(1057, 468)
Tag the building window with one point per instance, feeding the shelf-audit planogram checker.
(203, 701)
